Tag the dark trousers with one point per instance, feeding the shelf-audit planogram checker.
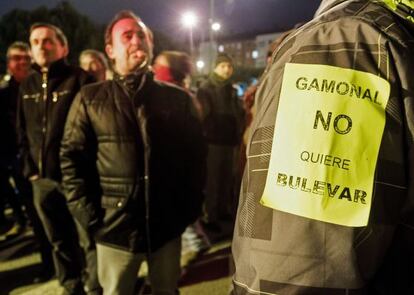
(21, 194)
(62, 234)
(9, 195)
(90, 275)
(25, 191)
(220, 184)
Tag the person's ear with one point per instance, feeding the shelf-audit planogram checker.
(109, 51)
(65, 51)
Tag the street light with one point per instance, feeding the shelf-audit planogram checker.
(189, 20)
(200, 65)
(216, 26)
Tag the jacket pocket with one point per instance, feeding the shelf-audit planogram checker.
(113, 202)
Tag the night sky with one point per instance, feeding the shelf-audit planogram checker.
(236, 16)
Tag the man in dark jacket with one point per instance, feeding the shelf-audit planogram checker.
(326, 205)
(18, 68)
(222, 114)
(45, 98)
(141, 139)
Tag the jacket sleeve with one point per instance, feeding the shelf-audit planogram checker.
(401, 256)
(29, 167)
(80, 180)
(240, 114)
(204, 100)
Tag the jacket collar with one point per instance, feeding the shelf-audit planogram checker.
(136, 85)
(219, 81)
(55, 69)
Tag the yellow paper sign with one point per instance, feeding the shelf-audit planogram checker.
(328, 131)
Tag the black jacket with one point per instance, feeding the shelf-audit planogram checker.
(223, 115)
(44, 102)
(9, 89)
(149, 153)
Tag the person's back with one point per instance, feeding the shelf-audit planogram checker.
(340, 91)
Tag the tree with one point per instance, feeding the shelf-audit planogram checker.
(81, 32)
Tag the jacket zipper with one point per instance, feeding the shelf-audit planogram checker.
(141, 121)
(142, 124)
(44, 119)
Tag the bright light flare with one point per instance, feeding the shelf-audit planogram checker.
(200, 64)
(216, 26)
(189, 19)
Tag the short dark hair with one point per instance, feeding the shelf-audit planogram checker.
(59, 33)
(124, 14)
(18, 45)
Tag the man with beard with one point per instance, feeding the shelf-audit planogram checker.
(142, 140)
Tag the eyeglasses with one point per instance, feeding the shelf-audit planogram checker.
(19, 57)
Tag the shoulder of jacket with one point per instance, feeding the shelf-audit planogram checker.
(4, 81)
(373, 14)
(206, 86)
(97, 90)
(80, 73)
(169, 88)
(31, 82)
(206, 83)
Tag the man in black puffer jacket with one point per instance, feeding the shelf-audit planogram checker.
(145, 142)
(45, 98)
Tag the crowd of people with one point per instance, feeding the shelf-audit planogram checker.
(120, 160)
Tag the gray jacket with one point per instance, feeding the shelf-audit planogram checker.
(282, 253)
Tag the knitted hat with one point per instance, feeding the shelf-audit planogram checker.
(222, 57)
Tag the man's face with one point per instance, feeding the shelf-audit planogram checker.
(93, 66)
(46, 47)
(131, 46)
(18, 63)
(224, 70)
